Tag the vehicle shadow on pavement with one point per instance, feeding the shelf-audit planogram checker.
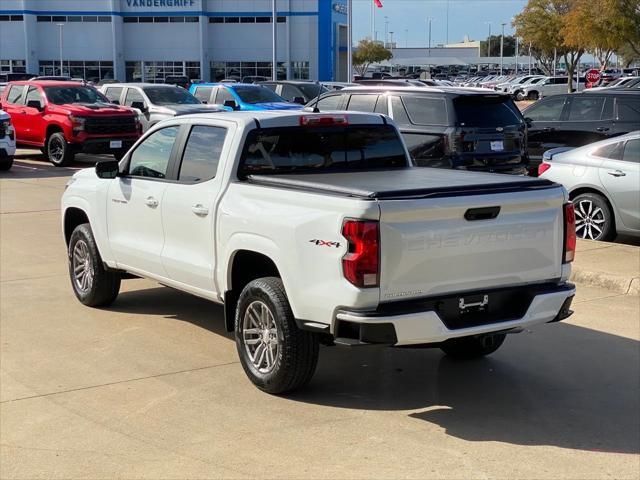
(173, 304)
(563, 386)
(34, 165)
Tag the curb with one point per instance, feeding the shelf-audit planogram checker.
(615, 283)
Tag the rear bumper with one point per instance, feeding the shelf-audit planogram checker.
(402, 324)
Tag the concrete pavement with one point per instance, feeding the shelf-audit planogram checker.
(151, 387)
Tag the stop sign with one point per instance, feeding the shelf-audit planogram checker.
(593, 76)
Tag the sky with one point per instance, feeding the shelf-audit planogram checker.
(408, 19)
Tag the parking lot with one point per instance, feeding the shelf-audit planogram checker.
(152, 388)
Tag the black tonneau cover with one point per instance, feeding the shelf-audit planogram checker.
(402, 183)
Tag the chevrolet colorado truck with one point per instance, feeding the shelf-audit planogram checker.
(64, 118)
(316, 228)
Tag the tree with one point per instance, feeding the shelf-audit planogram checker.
(542, 23)
(627, 55)
(628, 23)
(368, 52)
(509, 46)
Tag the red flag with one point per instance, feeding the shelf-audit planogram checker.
(378, 3)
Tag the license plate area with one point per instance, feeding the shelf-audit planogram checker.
(497, 146)
(115, 144)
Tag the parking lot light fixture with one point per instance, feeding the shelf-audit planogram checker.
(60, 26)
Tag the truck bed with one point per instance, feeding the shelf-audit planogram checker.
(402, 183)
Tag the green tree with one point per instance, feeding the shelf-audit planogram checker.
(628, 55)
(368, 52)
(628, 23)
(543, 24)
(509, 46)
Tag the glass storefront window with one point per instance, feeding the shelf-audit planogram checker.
(90, 70)
(238, 70)
(157, 71)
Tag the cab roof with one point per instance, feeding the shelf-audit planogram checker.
(49, 83)
(425, 89)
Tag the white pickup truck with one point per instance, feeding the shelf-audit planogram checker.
(315, 228)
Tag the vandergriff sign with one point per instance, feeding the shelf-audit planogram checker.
(160, 3)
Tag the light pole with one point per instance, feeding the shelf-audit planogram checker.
(386, 31)
(406, 37)
(517, 48)
(502, 49)
(60, 25)
(489, 39)
(429, 19)
(391, 39)
(447, 22)
(529, 58)
(350, 40)
(274, 41)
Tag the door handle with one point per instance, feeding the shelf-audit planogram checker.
(548, 129)
(151, 202)
(617, 173)
(200, 210)
(602, 129)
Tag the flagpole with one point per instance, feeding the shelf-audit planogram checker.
(350, 41)
(373, 21)
(274, 41)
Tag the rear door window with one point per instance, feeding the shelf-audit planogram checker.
(485, 111)
(426, 111)
(223, 95)
(202, 154)
(548, 110)
(613, 151)
(629, 109)
(586, 108)
(133, 96)
(399, 113)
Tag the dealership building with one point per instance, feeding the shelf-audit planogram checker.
(148, 40)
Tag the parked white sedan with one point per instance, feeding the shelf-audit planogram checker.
(603, 180)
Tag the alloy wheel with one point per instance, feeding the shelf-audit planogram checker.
(260, 336)
(83, 271)
(56, 150)
(590, 220)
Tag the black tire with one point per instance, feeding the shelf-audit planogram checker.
(6, 164)
(533, 96)
(103, 287)
(592, 214)
(294, 353)
(473, 347)
(59, 152)
(520, 95)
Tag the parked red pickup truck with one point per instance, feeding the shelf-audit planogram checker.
(65, 118)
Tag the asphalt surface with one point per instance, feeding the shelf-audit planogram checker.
(151, 387)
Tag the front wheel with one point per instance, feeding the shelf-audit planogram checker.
(594, 220)
(92, 284)
(275, 354)
(533, 96)
(6, 164)
(473, 347)
(59, 151)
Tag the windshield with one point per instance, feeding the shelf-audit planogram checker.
(79, 94)
(257, 94)
(322, 150)
(170, 96)
(486, 111)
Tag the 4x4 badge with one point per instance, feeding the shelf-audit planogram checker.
(325, 243)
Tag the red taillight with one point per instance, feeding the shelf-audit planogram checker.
(323, 120)
(361, 264)
(569, 233)
(543, 167)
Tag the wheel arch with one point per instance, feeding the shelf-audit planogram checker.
(244, 266)
(592, 189)
(73, 216)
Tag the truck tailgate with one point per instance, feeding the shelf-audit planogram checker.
(428, 247)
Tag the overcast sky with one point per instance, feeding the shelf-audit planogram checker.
(408, 19)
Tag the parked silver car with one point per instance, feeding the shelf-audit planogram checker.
(155, 102)
(603, 180)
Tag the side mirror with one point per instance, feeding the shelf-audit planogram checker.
(140, 106)
(528, 121)
(231, 104)
(299, 100)
(35, 104)
(107, 169)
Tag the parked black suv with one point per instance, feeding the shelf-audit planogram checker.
(295, 91)
(446, 127)
(576, 119)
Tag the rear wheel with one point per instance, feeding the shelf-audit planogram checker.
(59, 151)
(93, 285)
(275, 354)
(594, 219)
(520, 96)
(473, 347)
(533, 96)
